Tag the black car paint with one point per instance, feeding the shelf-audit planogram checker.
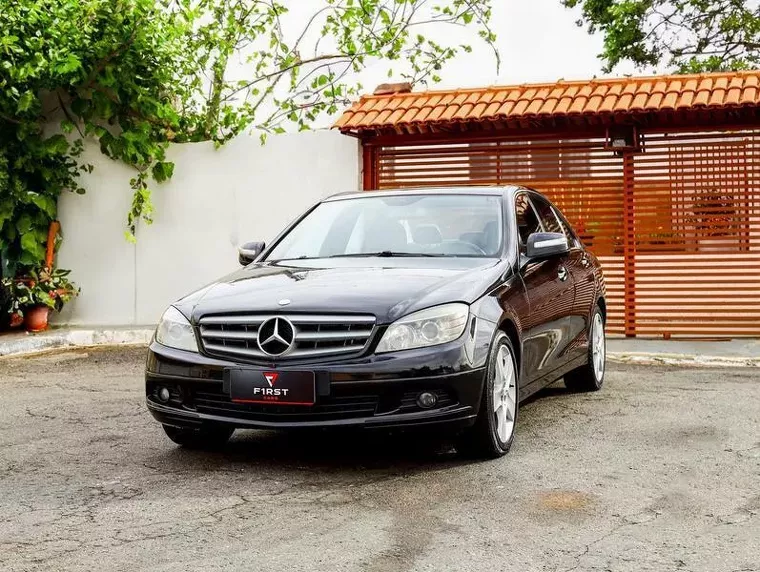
(542, 313)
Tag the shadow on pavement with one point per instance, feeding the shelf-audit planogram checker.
(342, 451)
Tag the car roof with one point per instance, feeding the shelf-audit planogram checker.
(481, 190)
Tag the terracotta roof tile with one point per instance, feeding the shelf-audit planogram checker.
(624, 103)
(660, 87)
(449, 112)
(547, 106)
(749, 95)
(370, 117)
(492, 108)
(563, 105)
(518, 103)
(464, 111)
(578, 105)
(669, 102)
(501, 95)
(478, 109)
(384, 115)
(422, 115)
(396, 116)
(409, 116)
(608, 103)
(459, 99)
(520, 107)
(654, 100)
(685, 100)
(505, 109)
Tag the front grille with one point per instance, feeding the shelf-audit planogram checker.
(315, 336)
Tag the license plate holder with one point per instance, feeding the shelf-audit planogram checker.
(271, 387)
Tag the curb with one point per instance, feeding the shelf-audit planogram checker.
(683, 360)
(19, 345)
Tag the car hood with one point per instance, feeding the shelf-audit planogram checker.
(388, 288)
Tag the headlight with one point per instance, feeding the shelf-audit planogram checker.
(430, 327)
(175, 331)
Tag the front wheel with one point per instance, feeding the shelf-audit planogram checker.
(590, 376)
(494, 429)
(205, 437)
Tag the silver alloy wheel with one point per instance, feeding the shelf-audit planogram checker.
(598, 346)
(504, 393)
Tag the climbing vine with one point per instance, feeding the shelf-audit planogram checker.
(137, 75)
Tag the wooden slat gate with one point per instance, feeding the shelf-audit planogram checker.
(675, 224)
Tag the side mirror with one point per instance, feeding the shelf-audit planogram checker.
(546, 245)
(249, 251)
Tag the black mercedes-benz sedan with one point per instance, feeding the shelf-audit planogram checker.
(436, 308)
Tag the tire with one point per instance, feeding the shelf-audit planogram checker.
(494, 431)
(590, 376)
(208, 437)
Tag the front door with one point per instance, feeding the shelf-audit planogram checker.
(550, 289)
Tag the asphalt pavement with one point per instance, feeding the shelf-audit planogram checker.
(658, 471)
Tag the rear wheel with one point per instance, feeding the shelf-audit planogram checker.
(590, 376)
(205, 437)
(494, 429)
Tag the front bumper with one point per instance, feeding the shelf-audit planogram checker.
(377, 391)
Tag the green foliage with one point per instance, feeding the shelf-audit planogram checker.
(40, 286)
(688, 35)
(101, 68)
(135, 75)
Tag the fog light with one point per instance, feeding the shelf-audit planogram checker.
(163, 394)
(426, 400)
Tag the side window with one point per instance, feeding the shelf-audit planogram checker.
(567, 229)
(548, 217)
(527, 221)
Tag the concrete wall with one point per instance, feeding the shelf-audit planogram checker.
(216, 200)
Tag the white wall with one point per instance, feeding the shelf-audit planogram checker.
(216, 200)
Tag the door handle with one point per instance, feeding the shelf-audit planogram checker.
(562, 273)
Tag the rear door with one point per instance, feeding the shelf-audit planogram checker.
(550, 291)
(582, 268)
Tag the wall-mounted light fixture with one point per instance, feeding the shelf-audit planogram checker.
(622, 138)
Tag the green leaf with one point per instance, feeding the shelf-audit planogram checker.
(25, 102)
(162, 171)
(46, 204)
(33, 249)
(57, 144)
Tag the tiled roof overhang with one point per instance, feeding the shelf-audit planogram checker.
(727, 97)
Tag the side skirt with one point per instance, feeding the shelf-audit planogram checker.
(551, 377)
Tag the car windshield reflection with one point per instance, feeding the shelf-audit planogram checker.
(466, 225)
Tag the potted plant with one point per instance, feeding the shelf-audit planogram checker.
(34, 295)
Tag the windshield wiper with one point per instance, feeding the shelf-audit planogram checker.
(385, 254)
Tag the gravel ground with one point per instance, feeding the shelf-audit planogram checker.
(659, 471)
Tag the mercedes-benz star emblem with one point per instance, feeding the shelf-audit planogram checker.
(276, 336)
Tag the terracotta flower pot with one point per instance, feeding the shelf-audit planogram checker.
(36, 318)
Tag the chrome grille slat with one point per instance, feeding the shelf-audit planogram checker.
(221, 334)
(325, 351)
(316, 335)
(328, 336)
(330, 319)
(231, 320)
(235, 351)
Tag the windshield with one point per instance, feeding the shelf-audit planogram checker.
(408, 225)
